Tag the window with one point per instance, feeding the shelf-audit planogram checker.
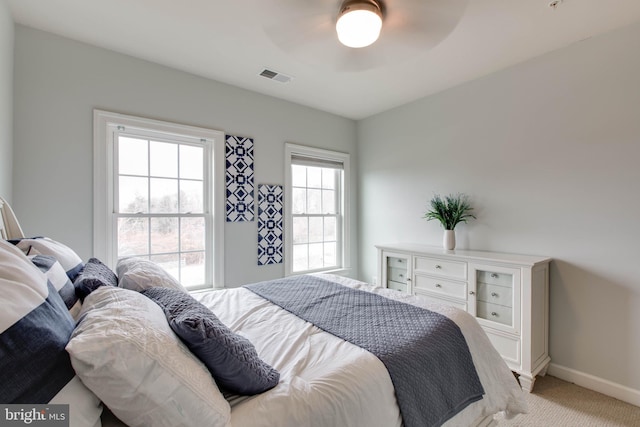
(315, 210)
(154, 196)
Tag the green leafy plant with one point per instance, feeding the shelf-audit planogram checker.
(450, 210)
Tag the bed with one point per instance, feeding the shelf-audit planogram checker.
(129, 364)
(313, 363)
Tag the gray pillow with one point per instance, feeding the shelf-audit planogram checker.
(232, 360)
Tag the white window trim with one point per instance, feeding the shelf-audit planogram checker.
(103, 162)
(344, 158)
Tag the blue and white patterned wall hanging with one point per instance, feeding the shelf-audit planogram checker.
(270, 239)
(239, 179)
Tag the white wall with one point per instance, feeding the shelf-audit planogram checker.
(549, 152)
(6, 101)
(58, 83)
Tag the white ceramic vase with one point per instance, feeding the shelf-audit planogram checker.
(449, 240)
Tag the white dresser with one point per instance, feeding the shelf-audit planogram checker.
(507, 293)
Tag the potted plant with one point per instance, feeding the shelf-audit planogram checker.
(450, 211)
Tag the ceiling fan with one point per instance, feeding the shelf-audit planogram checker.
(307, 30)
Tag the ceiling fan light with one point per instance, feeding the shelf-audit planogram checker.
(359, 23)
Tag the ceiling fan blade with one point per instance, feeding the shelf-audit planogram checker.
(301, 33)
(306, 31)
(423, 23)
(301, 24)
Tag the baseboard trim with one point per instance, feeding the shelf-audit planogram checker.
(598, 384)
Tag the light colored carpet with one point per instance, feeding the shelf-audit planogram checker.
(554, 402)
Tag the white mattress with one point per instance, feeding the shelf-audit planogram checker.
(325, 381)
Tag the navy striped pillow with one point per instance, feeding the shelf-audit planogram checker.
(35, 327)
(69, 260)
(60, 281)
(34, 330)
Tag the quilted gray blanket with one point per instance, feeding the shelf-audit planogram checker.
(425, 352)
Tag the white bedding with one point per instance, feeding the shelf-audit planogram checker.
(325, 381)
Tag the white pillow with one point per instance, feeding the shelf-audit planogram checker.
(124, 350)
(35, 326)
(138, 274)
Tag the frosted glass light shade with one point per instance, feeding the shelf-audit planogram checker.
(359, 24)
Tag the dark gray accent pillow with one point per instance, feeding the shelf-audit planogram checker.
(232, 360)
(93, 275)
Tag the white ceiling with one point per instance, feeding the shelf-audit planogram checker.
(228, 41)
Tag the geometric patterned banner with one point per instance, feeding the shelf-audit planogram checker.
(239, 179)
(270, 244)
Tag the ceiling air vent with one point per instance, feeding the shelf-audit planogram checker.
(274, 75)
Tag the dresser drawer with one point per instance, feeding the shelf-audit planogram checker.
(494, 278)
(495, 294)
(393, 261)
(441, 286)
(462, 305)
(508, 347)
(398, 274)
(402, 287)
(453, 269)
(495, 313)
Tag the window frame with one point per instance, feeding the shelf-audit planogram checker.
(295, 150)
(105, 127)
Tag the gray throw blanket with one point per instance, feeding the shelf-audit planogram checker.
(425, 352)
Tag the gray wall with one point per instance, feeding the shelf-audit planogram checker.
(549, 151)
(58, 83)
(6, 101)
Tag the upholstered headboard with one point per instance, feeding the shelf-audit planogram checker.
(9, 226)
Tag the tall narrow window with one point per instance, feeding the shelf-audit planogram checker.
(160, 210)
(315, 234)
(160, 199)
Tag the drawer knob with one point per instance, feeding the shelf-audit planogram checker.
(494, 314)
(438, 285)
(438, 266)
(493, 294)
(472, 293)
(401, 275)
(400, 260)
(494, 275)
